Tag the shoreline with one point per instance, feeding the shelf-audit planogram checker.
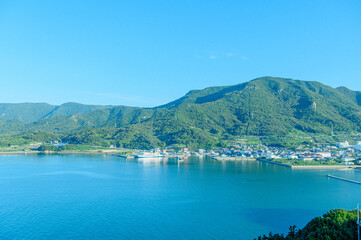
(225, 159)
(54, 152)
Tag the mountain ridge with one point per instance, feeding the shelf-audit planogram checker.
(264, 107)
(31, 112)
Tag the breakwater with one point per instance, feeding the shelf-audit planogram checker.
(234, 158)
(343, 179)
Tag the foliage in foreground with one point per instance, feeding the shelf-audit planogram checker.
(337, 224)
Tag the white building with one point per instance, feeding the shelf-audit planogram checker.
(343, 144)
(273, 156)
(324, 154)
(347, 159)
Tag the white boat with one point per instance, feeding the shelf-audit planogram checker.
(149, 155)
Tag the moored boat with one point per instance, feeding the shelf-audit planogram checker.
(149, 155)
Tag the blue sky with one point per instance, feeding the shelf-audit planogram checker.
(147, 53)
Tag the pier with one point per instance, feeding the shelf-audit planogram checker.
(343, 179)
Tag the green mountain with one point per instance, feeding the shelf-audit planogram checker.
(31, 112)
(353, 95)
(70, 108)
(26, 112)
(267, 107)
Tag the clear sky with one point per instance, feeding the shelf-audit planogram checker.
(149, 52)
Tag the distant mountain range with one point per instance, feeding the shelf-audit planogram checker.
(265, 106)
(32, 112)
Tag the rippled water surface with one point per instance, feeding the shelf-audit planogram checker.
(107, 197)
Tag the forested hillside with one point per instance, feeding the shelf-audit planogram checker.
(31, 112)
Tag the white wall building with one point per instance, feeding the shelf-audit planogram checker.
(324, 154)
(343, 144)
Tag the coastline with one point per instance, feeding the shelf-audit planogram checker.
(221, 159)
(19, 152)
(306, 166)
(54, 152)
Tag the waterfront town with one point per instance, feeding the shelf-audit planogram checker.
(339, 154)
(342, 153)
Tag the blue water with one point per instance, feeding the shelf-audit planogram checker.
(107, 197)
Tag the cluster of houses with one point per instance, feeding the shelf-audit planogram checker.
(343, 152)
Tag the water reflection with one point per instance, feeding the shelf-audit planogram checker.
(80, 173)
(172, 161)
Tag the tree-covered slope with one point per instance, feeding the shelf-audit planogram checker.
(26, 112)
(11, 126)
(354, 96)
(32, 112)
(107, 117)
(70, 108)
(267, 106)
(263, 107)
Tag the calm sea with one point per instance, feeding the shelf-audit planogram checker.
(107, 197)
